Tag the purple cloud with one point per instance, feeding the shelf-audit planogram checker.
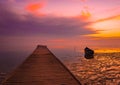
(12, 24)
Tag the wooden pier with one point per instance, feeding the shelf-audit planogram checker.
(42, 67)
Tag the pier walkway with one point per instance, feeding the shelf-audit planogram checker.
(41, 68)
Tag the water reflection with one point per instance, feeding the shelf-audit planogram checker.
(104, 69)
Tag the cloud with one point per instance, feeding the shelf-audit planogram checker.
(85, 14)
(116, 17)
(12, 24)
(32, 7)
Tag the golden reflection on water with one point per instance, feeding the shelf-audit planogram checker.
(104, 69)
(107, 50)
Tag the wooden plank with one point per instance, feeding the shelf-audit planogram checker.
(41, 68)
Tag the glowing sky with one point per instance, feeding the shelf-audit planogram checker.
(59, 24)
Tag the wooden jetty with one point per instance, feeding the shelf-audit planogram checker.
(41, 68)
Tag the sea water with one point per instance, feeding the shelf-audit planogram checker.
(104, 69)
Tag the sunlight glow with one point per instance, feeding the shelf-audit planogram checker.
(106, 28)
(107, 50)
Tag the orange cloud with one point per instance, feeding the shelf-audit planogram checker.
(34, 7)
(86, 14)
(117, 17)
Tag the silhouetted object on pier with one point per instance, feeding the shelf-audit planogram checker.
(42, 67)
(89, 53)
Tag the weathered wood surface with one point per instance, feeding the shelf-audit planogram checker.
(41, 68)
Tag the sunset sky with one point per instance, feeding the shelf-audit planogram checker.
(59, 24)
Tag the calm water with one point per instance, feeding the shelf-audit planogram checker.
(104, 69)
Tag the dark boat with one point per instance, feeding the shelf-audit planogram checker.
(89, 53)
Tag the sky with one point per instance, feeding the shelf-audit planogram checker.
(59, 24)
